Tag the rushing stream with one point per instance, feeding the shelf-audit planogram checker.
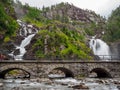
(59, 84)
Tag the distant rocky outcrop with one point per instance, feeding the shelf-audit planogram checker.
(92, 23)
(72, 13)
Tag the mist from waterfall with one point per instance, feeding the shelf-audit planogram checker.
(100, 48)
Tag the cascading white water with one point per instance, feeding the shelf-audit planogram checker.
(28, 32)
(56, 76)
(100, 48)
(24, 43)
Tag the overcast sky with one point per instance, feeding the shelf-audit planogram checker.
(102, 7)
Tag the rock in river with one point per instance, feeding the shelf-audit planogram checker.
(1, 84)
(81, 86)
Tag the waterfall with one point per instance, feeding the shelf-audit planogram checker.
(24, 43)
(100, 48)
(28, 32)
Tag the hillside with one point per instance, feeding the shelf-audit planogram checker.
(63, 31)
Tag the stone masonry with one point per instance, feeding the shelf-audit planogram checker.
(73, 68)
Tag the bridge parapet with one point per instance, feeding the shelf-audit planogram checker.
(59, 61)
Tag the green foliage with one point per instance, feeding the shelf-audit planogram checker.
(13, 72)
(90, 30)
(7, 1)
(34, 22)
(62, 43)
(33, 13)
(8, 25)
(113, 26)
(6, 39)
(34, 16)
(40, 54)
(73, 34)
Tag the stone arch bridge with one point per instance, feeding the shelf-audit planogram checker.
(73, 68)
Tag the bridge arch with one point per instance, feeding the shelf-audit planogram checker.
(100, 71)
(65, 70)
(5, 69)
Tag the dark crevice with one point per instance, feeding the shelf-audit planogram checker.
(67, 72)
(101, 73)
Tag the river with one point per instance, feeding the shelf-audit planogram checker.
(60, 84)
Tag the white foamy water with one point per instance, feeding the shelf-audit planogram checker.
(55, 76)
(92, 83)
(26, 41)
(22, 46)
(100, 48)
(69, 81)
(59, 84)
(28, 32)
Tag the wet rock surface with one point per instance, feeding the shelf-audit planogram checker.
(16, 52)
(116, 82)
(80, 87)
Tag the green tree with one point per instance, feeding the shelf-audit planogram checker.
(113, 26)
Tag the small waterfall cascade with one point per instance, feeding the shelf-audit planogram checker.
(27, 32)
(100, 48)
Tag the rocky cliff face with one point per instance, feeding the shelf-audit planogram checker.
(72, 12)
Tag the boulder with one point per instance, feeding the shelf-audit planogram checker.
(118, 87)
(1, 84)
(117, 82)
(22, 83)
(81, 86)
(17, 51)
(100, 81)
